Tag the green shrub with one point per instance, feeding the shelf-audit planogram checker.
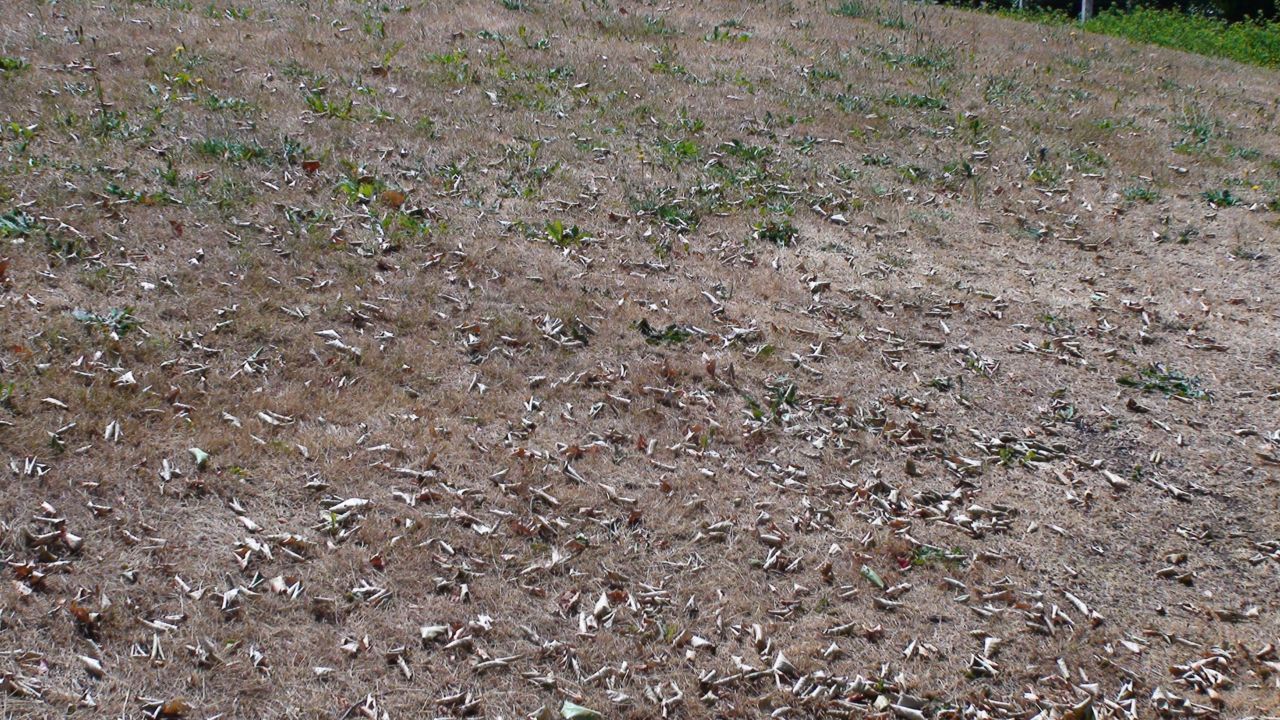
(1254, 42)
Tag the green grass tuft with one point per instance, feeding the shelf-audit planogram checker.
(850, 9)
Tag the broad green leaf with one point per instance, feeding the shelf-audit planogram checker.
(872, 577)
(574, 711)
(201, 456)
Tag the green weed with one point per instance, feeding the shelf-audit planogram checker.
(360, 188)
(117, 321)
(12, 64)
(1140, 193)
(925, 102)
(670, 335)
(16, 224)
(1220, 198)
(930, 555)
(563, 236)
(674, 212)
(778, 231)
(1158, 378)
(320, 104)
(232, 151)
(1199, 128)
(728, 31)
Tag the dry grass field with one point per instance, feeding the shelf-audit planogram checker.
(616, 359)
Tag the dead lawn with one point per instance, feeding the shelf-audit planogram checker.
(699, 360)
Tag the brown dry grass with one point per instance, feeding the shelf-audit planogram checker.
(550, 486)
